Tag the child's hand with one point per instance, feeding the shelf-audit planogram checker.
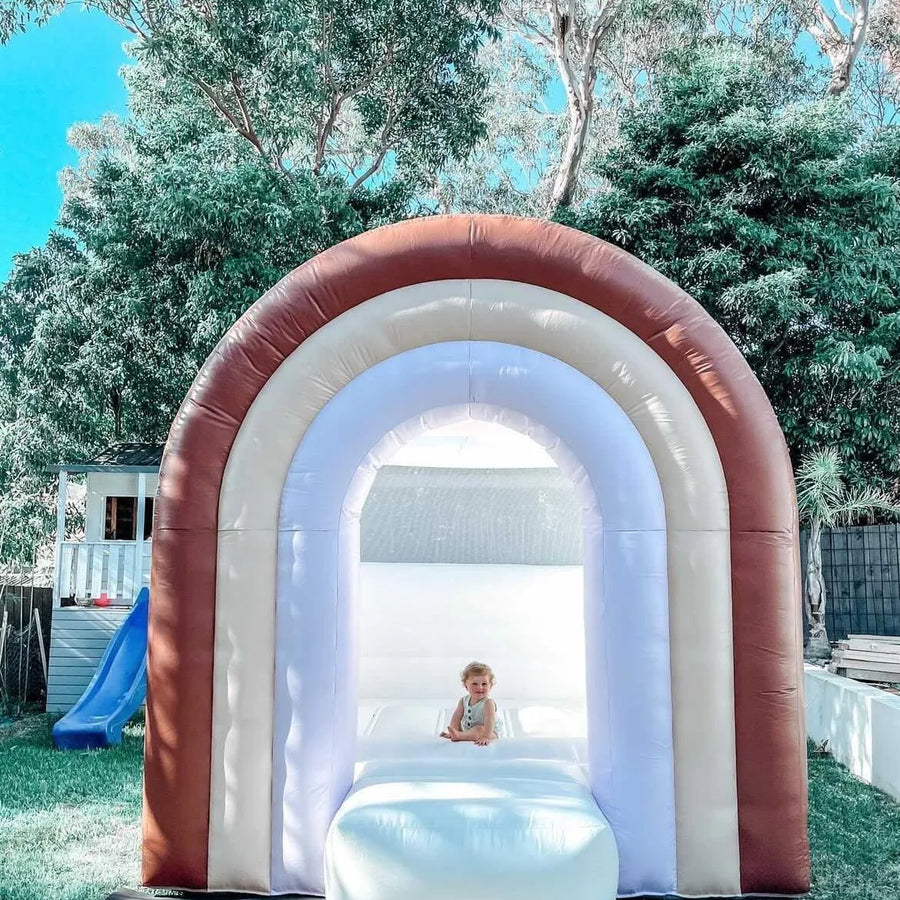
(482, 742)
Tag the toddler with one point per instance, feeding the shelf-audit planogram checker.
(475, 716)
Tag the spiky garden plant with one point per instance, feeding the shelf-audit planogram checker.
(825, 501)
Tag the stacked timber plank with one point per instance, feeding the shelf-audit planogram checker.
(868, 657)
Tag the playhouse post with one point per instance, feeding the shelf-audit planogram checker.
(60, 536)
(139, 534)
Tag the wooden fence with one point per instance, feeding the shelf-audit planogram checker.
(23, 651)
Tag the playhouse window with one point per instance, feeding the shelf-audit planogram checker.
(121, 518)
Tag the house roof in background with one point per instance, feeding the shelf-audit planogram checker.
(133, 457)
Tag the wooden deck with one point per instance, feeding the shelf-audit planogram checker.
(78, 638)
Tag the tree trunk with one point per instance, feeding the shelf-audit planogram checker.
(570, 164)
(818, 646)
(840, 76)
(842, 51)
(116, 403)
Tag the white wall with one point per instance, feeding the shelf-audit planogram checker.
(101, 485)
(860, 723)
(420, 624)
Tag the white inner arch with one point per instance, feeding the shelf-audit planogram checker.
(629, 696)
(682, 450)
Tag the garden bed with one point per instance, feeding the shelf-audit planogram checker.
(858, 723)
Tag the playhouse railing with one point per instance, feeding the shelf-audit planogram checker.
(87, 569)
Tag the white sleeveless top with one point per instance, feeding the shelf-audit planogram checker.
(473, 714)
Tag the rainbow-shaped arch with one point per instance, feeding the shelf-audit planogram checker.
(262, 479)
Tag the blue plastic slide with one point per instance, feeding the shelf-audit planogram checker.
(116, 691)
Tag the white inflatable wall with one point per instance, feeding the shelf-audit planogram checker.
(628, 680)
(420, 623)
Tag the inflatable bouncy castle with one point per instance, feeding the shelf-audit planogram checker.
(693, 775)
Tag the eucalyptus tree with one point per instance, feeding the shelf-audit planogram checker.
(852, 43)
(328, 86)
(825, 500)
(782, 222)
(597, 55)
(571, 34)
(875, 89)
(840, 31)
(510, 169)
(601, 57)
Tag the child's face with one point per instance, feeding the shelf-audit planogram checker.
(478, 686)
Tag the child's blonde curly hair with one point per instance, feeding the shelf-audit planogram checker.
(476, 668)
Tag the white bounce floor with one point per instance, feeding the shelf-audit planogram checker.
(411, 731)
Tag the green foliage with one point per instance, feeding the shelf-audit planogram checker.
(17, 15)
(290, 76)
(507, 171)
(158, 252)
(261, 133)
(513, 167)
(823, 496)
(782, 223)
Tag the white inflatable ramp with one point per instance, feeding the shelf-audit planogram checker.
(491, 830)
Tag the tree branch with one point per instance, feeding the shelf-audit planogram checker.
(560, 23)
(384, 147)
(324, 133)
(843, 12)
(124, 14)
(242, 106)
(516, 15)
(221, 107)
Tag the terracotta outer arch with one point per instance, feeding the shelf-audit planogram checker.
(771, 749)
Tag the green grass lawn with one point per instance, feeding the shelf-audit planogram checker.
(70, 822)
(854, 834)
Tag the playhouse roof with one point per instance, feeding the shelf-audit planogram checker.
(131, 457)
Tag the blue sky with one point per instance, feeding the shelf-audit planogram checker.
(50, 77)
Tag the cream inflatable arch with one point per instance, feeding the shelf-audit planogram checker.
(691, 559)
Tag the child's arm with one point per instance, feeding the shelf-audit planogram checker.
(481, 735)
(487, 730)
(455, 720)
